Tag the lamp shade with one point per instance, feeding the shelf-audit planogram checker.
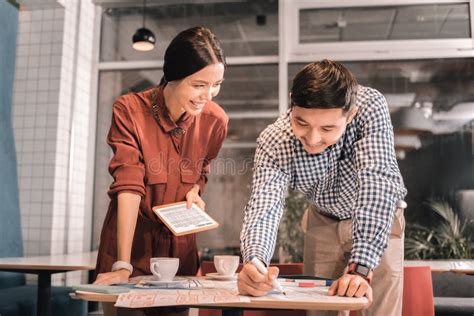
(143, 39)
(411, 119)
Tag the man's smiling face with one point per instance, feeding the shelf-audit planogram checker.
(317, 129)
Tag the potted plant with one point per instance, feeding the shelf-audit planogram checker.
(290, 234)
(449, 238)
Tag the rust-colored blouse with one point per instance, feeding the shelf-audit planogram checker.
(160, 160)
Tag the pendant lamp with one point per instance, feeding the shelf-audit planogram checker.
(143, 39)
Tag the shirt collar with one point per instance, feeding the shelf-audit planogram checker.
(162, 115)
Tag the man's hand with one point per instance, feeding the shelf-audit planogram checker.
(193, 197)
(351, 285)
(116, 277)
(252, 282)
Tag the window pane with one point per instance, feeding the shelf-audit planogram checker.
(250, 88)
(246, 130)
(249, 95)
(430, 21)
(244, 29)
(227, 193)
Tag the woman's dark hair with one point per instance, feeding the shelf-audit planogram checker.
(190, 51)
(324, 85)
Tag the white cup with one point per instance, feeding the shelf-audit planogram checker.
(226, 265)
(163, 268)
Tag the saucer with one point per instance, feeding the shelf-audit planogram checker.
(217, 276)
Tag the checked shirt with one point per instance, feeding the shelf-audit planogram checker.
(357, 178)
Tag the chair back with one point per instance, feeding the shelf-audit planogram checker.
(417, 292)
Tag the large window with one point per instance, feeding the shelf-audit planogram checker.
(248, 32)
(432, 108)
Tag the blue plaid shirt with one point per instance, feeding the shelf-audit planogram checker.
(357, 178)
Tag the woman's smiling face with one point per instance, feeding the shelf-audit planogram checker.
(193, 92)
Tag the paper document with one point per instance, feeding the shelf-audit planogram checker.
(157, 298)
(307, 294)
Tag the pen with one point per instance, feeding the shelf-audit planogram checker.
(262, 269)
(305, 283)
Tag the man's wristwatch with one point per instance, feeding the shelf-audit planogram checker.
(359, 269)
(119, 265)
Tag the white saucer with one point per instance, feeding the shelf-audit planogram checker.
(217, 276)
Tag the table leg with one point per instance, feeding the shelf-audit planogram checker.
(92, 306)
(232, 312)
(43, 307)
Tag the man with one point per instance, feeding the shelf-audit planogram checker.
(335, 145)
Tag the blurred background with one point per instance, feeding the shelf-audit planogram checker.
(64, 62)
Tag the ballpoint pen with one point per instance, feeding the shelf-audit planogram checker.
(262, 269)
(305, 283)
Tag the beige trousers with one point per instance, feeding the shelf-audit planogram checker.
(327, 250)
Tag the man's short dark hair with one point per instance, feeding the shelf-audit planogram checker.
(324, 85)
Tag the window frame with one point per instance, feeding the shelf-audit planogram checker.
(371, 50)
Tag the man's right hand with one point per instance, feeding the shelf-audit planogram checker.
(252, 282)
(116, 277)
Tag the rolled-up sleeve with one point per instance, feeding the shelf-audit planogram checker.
(265, 207)
(380, 185)
(126, 165)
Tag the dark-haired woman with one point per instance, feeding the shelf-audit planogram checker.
(163, 140)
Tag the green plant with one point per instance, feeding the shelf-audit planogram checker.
(290, 234)
(448, 239)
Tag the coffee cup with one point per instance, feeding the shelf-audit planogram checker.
(164, 268)
(226, 265)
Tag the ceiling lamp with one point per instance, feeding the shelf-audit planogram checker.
(411, 120)
(143, 39)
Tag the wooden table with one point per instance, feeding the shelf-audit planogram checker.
(44, 267)
(455, 265)
(229, 309)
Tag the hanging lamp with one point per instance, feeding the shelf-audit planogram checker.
(143, 39)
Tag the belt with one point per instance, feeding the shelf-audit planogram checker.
(331, 216)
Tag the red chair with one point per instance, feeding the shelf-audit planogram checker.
(286, 268)
(417, 292)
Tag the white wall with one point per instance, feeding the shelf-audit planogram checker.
(51, 110)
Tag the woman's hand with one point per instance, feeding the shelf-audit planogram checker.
(193, 197)
(116, 277)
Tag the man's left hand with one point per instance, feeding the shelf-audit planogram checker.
(351, 285)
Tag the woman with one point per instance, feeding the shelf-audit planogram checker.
(163, 140)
